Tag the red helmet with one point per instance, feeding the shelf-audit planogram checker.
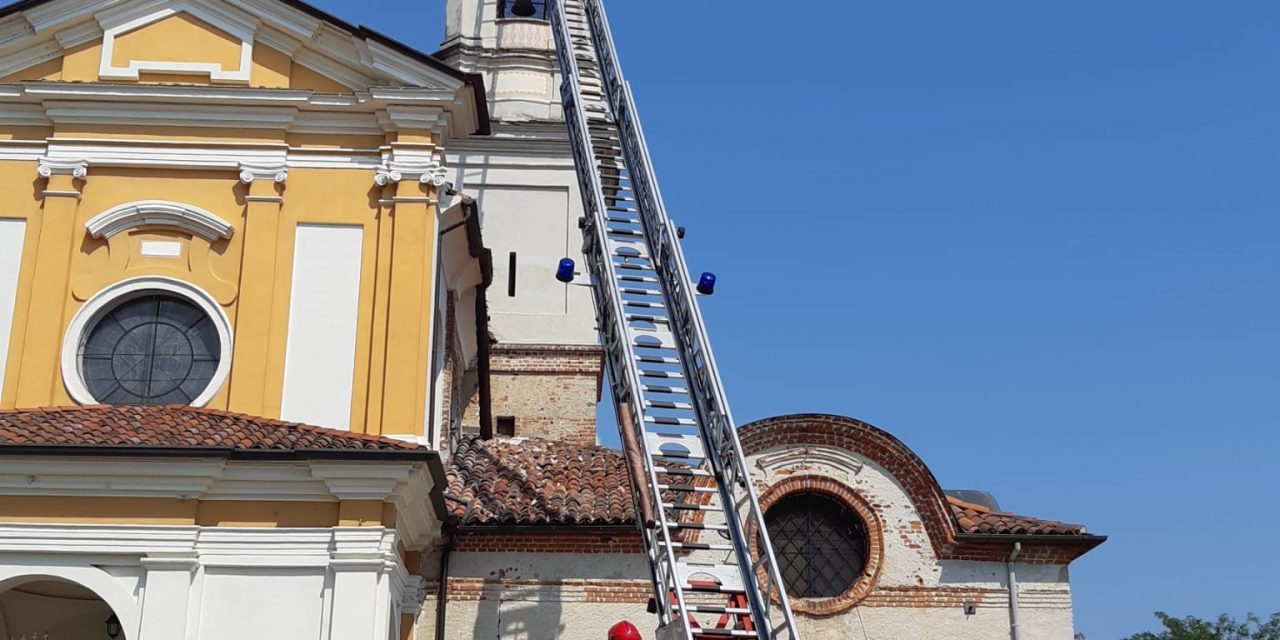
(624, 631)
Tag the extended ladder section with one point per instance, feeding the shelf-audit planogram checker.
(713, 568)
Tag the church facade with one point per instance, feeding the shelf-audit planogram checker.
(281, 356)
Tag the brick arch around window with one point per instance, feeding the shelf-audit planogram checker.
(872, 443)
(796, 485)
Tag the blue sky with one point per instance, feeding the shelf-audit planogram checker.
(1036, 241)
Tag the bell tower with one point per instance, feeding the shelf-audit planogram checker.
(546, 363)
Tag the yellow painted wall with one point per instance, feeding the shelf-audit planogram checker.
(336, 196)
(209, 513)
(178, 38)
(249, 274)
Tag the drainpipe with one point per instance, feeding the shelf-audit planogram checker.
(442, 597)
(1014, 632)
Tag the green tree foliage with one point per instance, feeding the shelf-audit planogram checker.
(1224, 628)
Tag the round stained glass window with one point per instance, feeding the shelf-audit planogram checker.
(152, 349)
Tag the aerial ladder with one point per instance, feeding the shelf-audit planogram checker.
(711, 562)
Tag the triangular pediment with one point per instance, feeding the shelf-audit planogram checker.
(258, 43)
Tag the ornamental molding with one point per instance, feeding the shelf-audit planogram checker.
(49, 167)
(159, 213)
(431, 172)
(117, 21)
(249, 172)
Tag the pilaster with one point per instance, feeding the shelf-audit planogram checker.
(167, 595)
(409, 194)
(60, 202)
(264, 196)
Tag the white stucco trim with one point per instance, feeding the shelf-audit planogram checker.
(126, 290)
(171, 581)
(159, 213)
(119, 22)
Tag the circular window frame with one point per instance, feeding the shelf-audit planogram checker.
(107, 299)
(846, 496)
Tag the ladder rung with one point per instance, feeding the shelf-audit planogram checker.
(723, 633)
(688, 488)
(662, 388)
(669, 375)
(683, 471)
(712, 608)
(698, 526)
(698, 546)
(682, 422)
(644, 279)
(690, 506)
(668, 404)
(641, 292)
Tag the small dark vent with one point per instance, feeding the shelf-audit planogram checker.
(506, 426)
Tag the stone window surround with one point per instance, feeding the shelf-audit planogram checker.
(125, 290)
(875, 539)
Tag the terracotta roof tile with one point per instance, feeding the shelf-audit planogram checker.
(176, 427)
(538, 482)
(975, 518)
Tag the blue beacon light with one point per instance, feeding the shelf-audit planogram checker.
(564, 273)
(707, 283)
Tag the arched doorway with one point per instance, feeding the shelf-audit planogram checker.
(42, 608)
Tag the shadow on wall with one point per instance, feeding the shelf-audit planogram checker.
(53, 607)
(534, 613)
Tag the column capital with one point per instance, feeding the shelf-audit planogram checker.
(49, 167)
(431, 172)
(249, 172)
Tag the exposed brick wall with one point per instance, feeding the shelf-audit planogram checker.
(870, 442)
(875, 539)
(550, 390)
(909, 470)
(565, 540)
(568, 590)
(640, 591)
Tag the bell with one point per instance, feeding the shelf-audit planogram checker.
(524, 9)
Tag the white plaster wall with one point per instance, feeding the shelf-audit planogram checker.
(246, 603)
(528, 194)
(560, 611)
(12, 234)
(320, 351)
(204, 583)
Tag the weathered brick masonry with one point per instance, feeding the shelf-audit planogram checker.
(550, 390)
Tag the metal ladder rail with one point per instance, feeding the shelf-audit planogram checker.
(713, 421)
(669, 575)
(689, 329)
(609, 305)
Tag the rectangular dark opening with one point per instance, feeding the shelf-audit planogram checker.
(511, 275)
(506, 426)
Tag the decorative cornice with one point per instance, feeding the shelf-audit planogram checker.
(50, 167)
(253, 171)
(193, 220)
(432, 173)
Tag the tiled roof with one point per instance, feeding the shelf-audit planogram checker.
(538, 482)
(176, 427)
(975, 518)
